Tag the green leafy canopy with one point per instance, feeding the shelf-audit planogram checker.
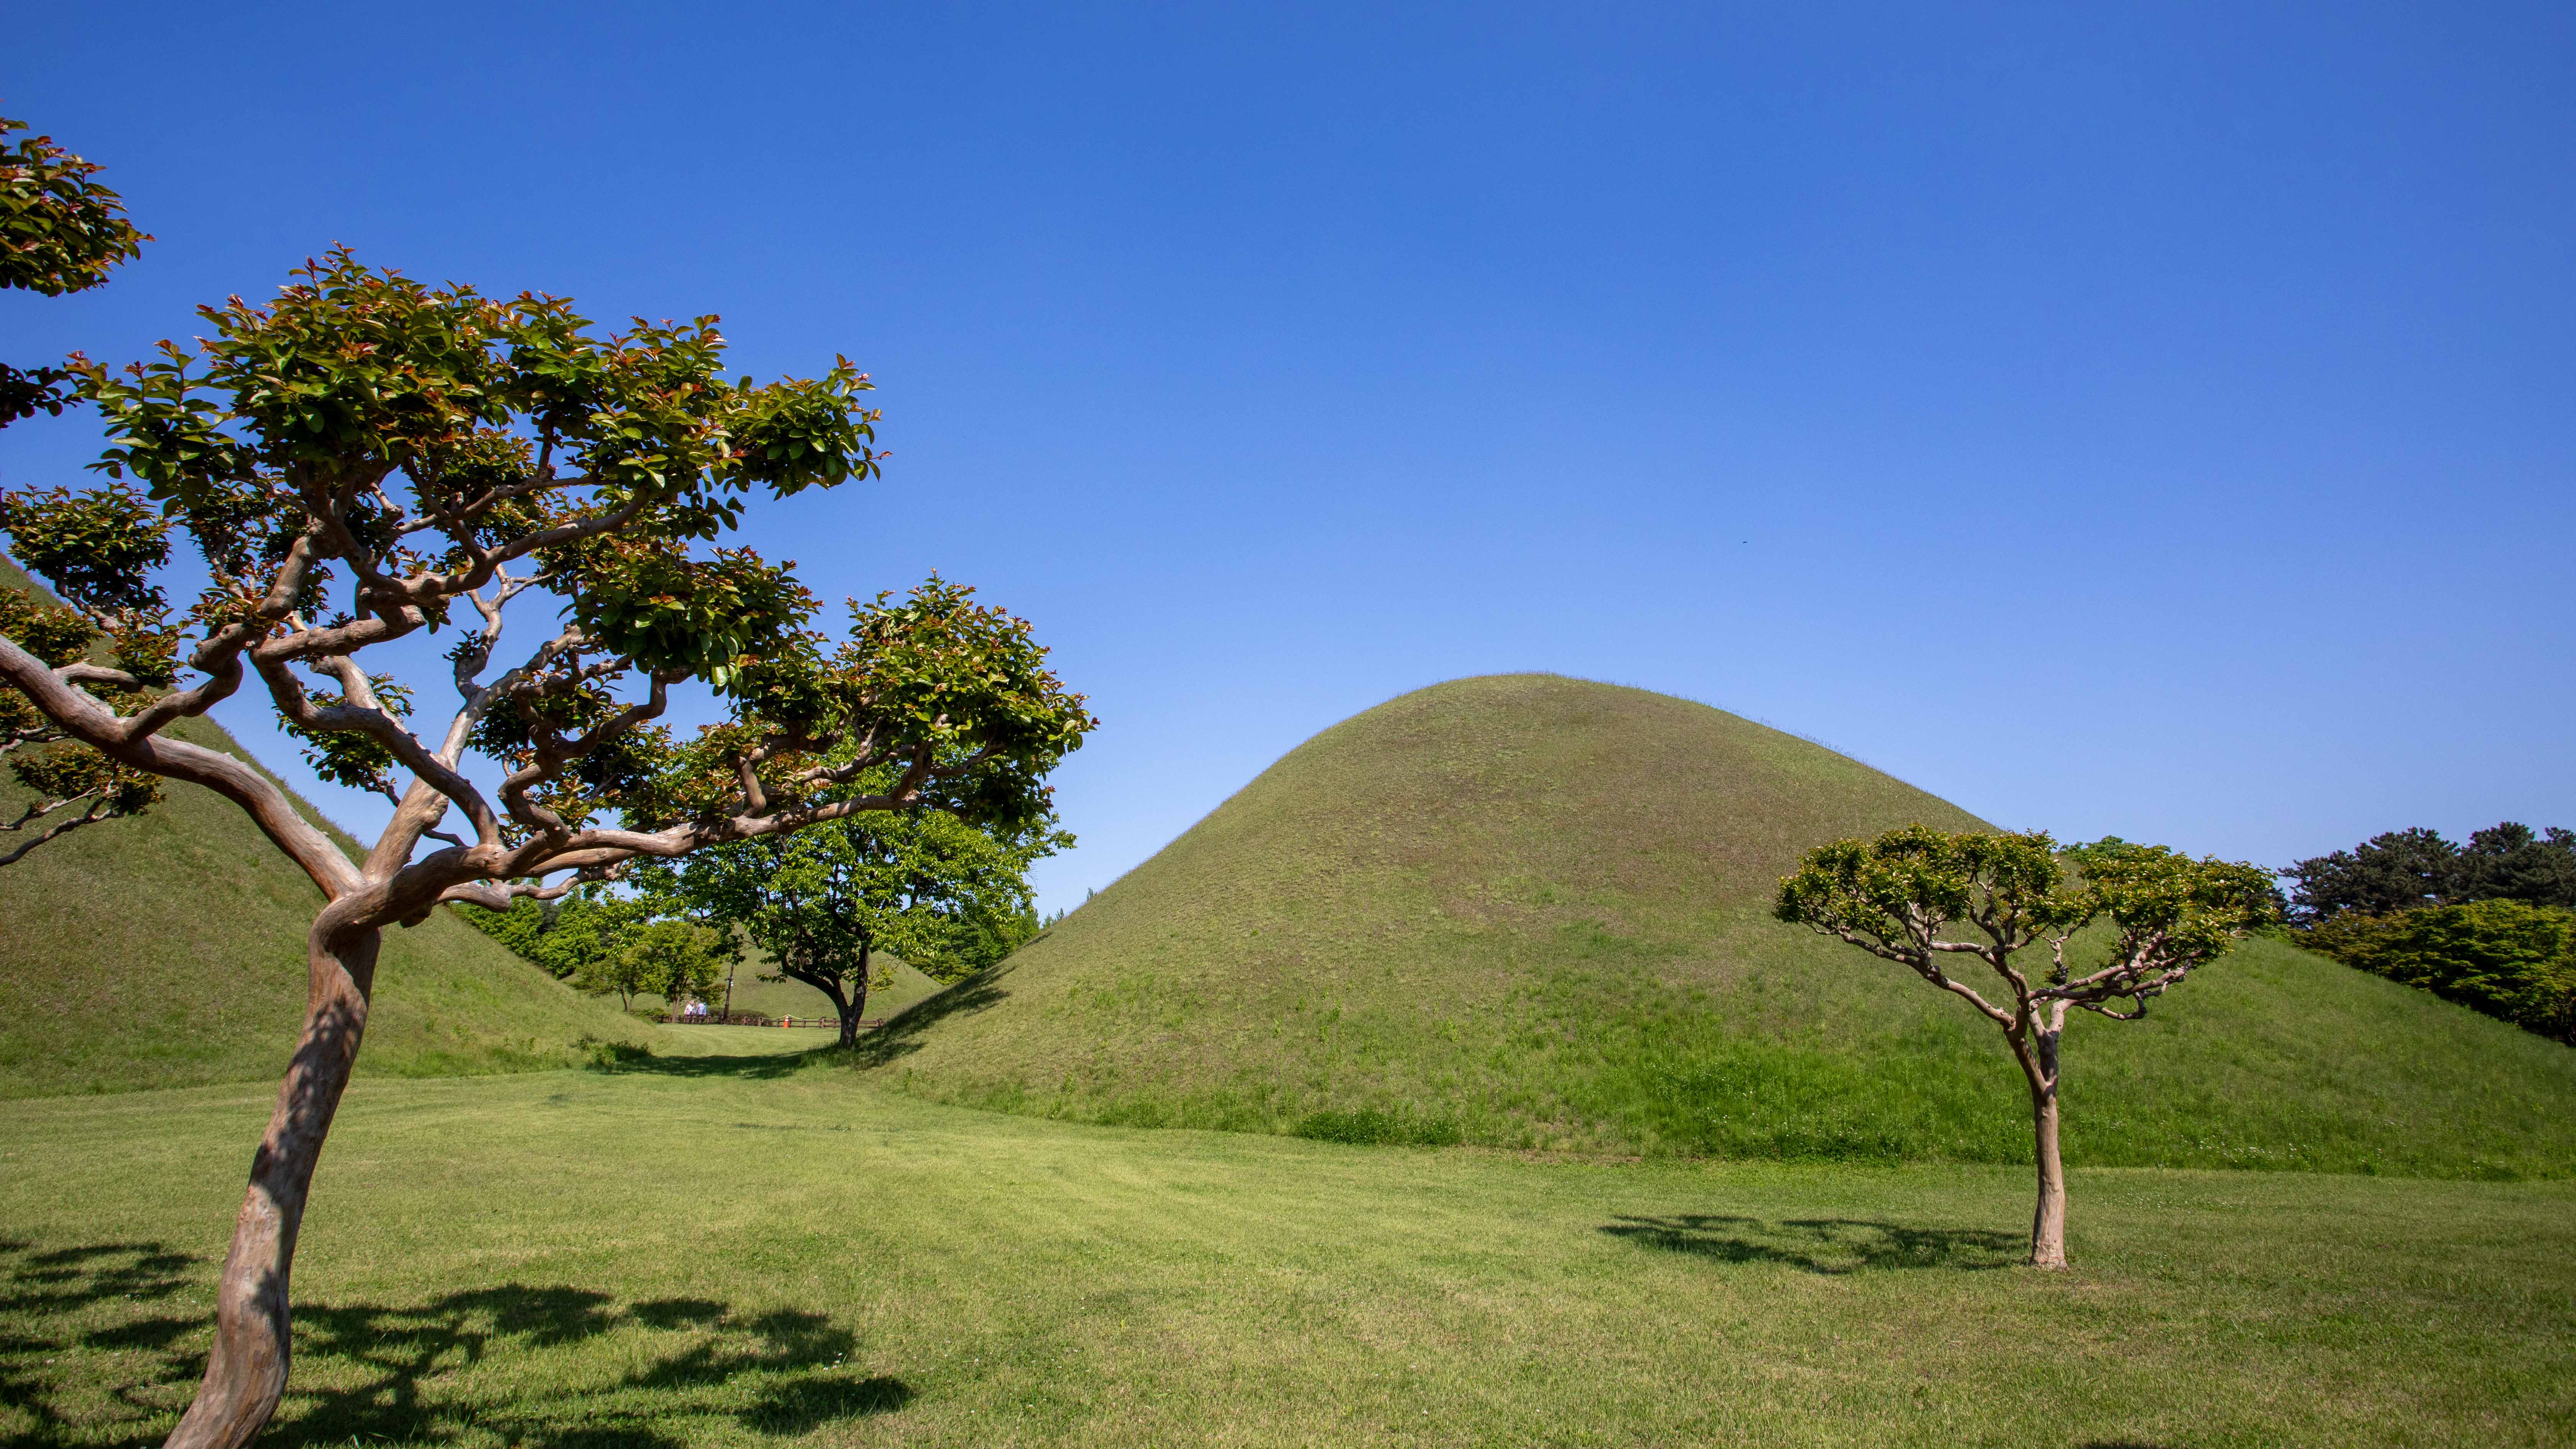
(366, 457)
(1900, 895)
(61, 231)
(944, 893)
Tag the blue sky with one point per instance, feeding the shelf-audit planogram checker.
(2145, 421)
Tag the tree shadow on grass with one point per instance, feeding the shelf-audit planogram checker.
(876, 1046)
(761, 1068)
(97, 1299)
(897, 1038)
(1823, 1245)
(90, 1354)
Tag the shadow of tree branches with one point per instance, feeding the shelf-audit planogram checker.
(979, 992)
(759, 1067)
(90, 1354)
(1823, 1245)
(100, 1299)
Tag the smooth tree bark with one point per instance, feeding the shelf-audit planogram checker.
(1896, 897)
(246, 1370)
(366, 460)
(2048, 1219)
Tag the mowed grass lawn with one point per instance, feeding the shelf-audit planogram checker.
(741, 1249)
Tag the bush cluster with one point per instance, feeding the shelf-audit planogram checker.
(2490, 924)
(2507, 958)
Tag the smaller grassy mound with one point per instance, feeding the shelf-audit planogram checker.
(168, 950)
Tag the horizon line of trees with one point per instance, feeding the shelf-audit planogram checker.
(2489, 924)
(834, 910)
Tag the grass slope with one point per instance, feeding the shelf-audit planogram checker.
(1532, 911)
(747, 1250)
(169, 950)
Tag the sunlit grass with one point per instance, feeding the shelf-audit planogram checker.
(736, 1248)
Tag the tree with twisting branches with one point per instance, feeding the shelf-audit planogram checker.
(365, 459)
(1900, 896)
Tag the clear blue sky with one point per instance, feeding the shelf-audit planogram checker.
(2150, 421)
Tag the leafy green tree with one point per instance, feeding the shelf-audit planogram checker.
(1925, 900)
(2507, 958)
(562, 935)
(61, 231)
(945, 894)
(2395, 871)
(673, 958)
(2512, 862)
(365, 459)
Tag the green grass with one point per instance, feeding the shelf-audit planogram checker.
(168, 950)
(1529, 911)
(734, 1248)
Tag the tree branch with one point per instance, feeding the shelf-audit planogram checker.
(100, 808)
(83, 718)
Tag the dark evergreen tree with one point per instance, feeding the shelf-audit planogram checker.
(2511, 862)
(2407, 870)
(2398, 871)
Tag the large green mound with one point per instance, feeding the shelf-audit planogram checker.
(168, 950)
(1532, 911)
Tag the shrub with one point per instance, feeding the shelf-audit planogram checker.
(2502, 957)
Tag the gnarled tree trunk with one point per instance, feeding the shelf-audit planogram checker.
(2048, 1220)
(247, 1370)
(847, 1006)
(857, 1005)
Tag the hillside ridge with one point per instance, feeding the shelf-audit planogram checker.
(1531, 911)
(168, 950)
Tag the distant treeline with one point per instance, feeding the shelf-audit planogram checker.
(606, 944)
(2490, 924)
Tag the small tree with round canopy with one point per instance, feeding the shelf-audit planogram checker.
(367, 459)
(1900, 896)
(935, 890)
(673, 958)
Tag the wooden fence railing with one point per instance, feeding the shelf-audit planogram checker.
(826, 1023)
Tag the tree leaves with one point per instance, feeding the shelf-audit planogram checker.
(1900, 894)
(947, 896)
(60, 229)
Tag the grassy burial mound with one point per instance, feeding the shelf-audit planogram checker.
(1533, 911)
(168, 950)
